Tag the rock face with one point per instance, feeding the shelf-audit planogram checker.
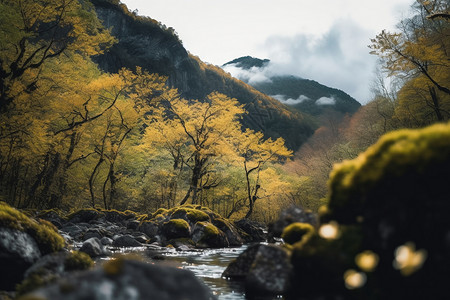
(123, 279)
(152, 46)
(266, 269)
(18, 251)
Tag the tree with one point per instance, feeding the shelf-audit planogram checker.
(254, 152)
(34, 32)
(420, 49)
(196, 134)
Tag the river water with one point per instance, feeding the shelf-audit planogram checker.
(208, 265)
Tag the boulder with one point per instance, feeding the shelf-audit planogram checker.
(389, 206)
(126, 240)
(231, 232)
(93, 247)
(18, 251)
(206, 235)
(123, 279)
(149, 228)
(175, 228)
(253, 231)
(265, 269)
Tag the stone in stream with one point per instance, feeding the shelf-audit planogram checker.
(265, 269)
(126, 241)
(93, 247)
(125, 279)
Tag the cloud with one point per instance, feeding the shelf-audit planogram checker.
(340, 58)
(290, 101)
(326, 101)
(251, 76)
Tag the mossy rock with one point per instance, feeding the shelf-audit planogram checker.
(397, 193)
(206, 234)
(232, 233)
(406, 167)
(297, 232)
(43, 232)
(190, 214)
(175, 228)
(160, 211)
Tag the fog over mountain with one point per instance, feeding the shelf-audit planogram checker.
(306, 95)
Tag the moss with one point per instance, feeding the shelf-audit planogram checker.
(190, 214)
(414, 162)
(78, 261)
(178, 224)
(176, 228)
(44, 233)
(297, 232)
(160, 211)
(210, 230)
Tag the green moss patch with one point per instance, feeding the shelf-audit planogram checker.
(297, 232)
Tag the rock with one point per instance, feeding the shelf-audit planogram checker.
(126, 241)
(149, 228)
(206, 235)
(175, 228)
(93, 247)
(254, 231)
(231, 232)
(106, 241)
(123, 279)
(18, 251)
(266, 269)
(52, 216)
(390, 204)
(133, 224)
(74, 231)
(141, 237)
(93, 232)
(288, 216)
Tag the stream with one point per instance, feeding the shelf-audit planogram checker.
(208, 265)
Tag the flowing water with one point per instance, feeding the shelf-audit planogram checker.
(208, 265)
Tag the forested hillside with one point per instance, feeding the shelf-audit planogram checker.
(154, 47)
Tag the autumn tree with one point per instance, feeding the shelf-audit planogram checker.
(33, 32)
(419, 51)
(254, 152)
(197, 133)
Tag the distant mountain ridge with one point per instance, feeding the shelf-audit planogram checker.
(307, 96)
(145, 42)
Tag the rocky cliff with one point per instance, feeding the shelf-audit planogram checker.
(147, 43)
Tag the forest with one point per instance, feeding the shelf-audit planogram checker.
(332, 205)
(74, 136)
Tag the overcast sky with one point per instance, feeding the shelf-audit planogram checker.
(323, 40)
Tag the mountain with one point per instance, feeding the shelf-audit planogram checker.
(307, 96)
(145, 42)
